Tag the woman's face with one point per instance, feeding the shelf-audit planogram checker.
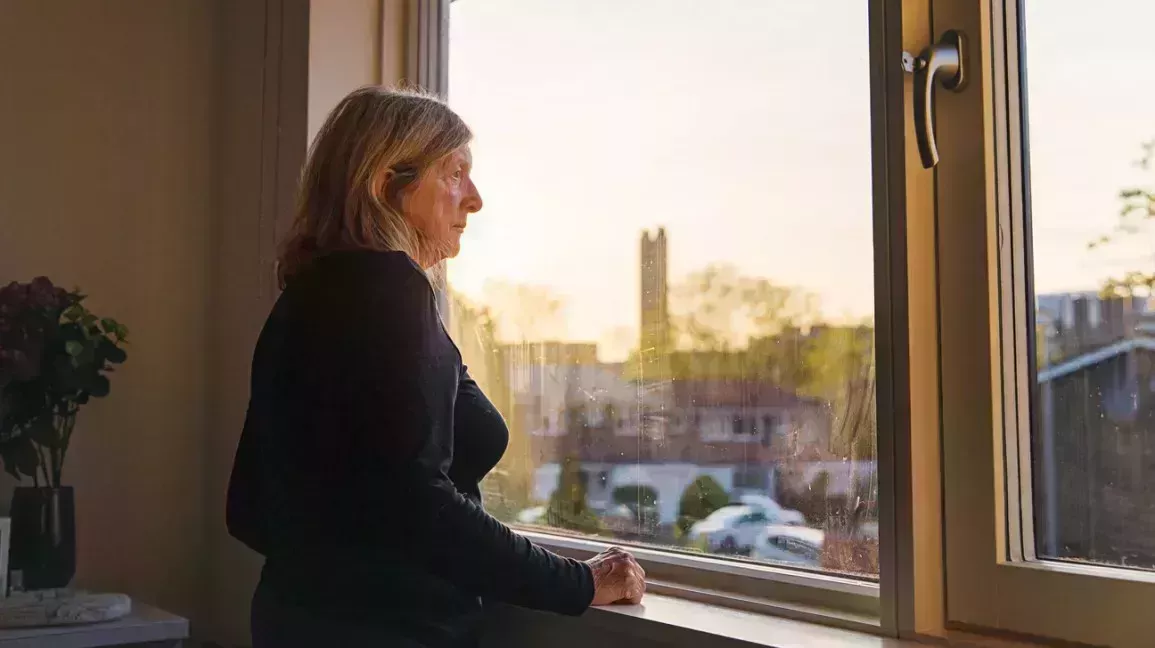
(438, 205)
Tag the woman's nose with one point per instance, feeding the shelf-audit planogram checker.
(473, 202)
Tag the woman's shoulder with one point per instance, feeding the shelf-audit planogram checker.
(366, 286)
(382, 274)
(371, 264)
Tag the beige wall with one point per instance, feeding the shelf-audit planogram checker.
(106, 145)
(262, 84)
(148, 153)
(344, 52)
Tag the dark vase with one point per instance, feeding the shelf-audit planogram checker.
(43, 536)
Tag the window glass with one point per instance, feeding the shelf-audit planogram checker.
(671, 283)
(1091, 130)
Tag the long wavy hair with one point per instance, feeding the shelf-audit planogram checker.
(374, 144)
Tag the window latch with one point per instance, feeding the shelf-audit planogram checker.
(947, 58)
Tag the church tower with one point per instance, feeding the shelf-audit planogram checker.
(655, 321)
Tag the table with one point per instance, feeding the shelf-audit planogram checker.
(145, 627)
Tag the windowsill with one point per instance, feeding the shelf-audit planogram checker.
(675, 621)
(680, 615)
(663, 618)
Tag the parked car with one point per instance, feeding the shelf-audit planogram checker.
(730, 529)
(773, 510)
(789, 544)
(626, 520)
(532, 515)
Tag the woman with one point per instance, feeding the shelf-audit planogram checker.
(357, 471)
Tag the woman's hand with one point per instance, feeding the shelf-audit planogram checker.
(618, 578)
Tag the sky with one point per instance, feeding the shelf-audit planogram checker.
(743, 128)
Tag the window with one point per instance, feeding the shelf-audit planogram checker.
(1093, 383)
(755, 518)
(673, 238)
(1063, 312)
(770, 428)
(621, 261)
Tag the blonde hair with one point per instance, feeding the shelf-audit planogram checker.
(341, 205)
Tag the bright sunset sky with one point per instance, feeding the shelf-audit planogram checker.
(742, 126)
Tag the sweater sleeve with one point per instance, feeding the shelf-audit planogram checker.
(404, 381)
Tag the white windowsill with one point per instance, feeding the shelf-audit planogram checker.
(663, 618)
(674, 621)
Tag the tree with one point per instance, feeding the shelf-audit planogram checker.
(524, 312)
(729, 326)
(508, 487)
(702, 497)
(568, 508)
(474, 330)
(1137, 211)
(642, 501)
(840, 371)
(510, 312)
(817, 500)
(718, 309)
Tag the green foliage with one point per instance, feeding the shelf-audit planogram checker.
(736, 327)
(815, 503)
(636, 495)
(55, 355)
(702, 497)
(568, 507)
(524, 312)
(503, 500)
(642, 501)
(840, 371)
(719, 309)
(474, 329)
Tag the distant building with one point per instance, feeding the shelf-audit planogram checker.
(1071, 324)
(626, 433)
(1093, 455)
(550, 353)
(654, 298)
(666, 417)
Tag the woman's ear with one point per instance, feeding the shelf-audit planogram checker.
(380, 182)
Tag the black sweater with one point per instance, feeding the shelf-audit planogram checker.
(357, 471)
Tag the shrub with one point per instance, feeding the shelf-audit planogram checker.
(636, 495)
(702, 497)
(568, 508)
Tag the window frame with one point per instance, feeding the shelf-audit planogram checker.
(994, 580)
(844, 601)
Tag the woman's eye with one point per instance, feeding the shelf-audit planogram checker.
(458, 174)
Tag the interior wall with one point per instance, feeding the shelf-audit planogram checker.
(150, 154)
(106, 176)
(261, 81)
(344, 51)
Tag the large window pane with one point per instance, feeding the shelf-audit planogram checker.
(1092, 126)
(669, 293)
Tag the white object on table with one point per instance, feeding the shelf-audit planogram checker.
(61, 607)
(145, 626)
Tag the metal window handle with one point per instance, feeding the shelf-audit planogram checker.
(948, 58)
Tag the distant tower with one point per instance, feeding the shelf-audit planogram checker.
(655, 333)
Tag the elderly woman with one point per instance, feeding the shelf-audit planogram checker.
(357, 471)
